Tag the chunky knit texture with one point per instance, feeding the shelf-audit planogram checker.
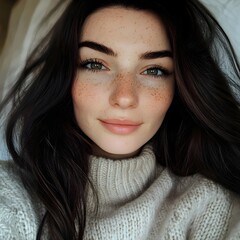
(137, 200)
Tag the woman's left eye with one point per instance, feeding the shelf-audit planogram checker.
(156, 72)
(95, 66)
(92, 65)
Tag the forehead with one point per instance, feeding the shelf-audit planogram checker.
(112, 24)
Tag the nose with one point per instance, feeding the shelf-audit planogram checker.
(125, 92)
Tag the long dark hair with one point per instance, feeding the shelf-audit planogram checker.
(200, 133)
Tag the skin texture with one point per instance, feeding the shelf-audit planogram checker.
(120, 85)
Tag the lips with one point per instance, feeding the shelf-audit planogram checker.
(117, 126)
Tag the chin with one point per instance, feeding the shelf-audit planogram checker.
(116, 152)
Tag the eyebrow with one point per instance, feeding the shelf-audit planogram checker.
(157, 54)
(104, 49)
(97, 46)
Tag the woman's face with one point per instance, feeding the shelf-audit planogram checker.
(125, 81)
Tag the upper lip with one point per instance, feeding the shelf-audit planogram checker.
(120, 122)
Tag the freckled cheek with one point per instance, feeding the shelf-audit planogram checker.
(160, 99)
(85, 97)
(163, 94)
(84, 92)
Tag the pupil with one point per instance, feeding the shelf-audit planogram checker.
(152, 71)
(96, 66)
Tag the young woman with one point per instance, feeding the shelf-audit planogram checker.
(124, 125)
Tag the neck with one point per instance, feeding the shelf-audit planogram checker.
(119, 181)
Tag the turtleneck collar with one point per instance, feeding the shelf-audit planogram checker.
(120, 181)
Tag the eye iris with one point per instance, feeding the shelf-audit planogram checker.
(153, 71)
(96, 66)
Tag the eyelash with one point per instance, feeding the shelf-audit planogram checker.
(83, 65)
(164, 72)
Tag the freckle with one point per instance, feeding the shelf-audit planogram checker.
(158, 95)
(81, 89)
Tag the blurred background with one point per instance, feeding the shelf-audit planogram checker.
(6, 8)
(24, 22)
(22, 25)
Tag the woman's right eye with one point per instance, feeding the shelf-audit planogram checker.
(92, 65)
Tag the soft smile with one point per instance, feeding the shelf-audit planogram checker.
(122, 127)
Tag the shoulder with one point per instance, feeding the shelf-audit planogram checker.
(217, 209)
(202, 188)
(194, 188)
(234, 224)
(209, 210)
(7, 168)
(11, 184)
(208, 198)
(10, 179)
(18, 210)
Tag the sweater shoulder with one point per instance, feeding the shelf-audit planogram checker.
(215, 208)
(195, 195)
(201, 206)
(10, 178)
(11, 183)
(200, 187)
(7, 168)
(196, 186)
(206, 194)
(18, 210)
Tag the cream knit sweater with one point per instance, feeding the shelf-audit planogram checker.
(137, 200)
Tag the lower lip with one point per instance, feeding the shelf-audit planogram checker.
(119, 128)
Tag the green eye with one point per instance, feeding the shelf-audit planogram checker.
(92, 65)
(95, 66)
(154, 72)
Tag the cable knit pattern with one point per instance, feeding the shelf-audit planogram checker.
(137, 200)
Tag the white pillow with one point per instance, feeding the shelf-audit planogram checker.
(227, 12)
